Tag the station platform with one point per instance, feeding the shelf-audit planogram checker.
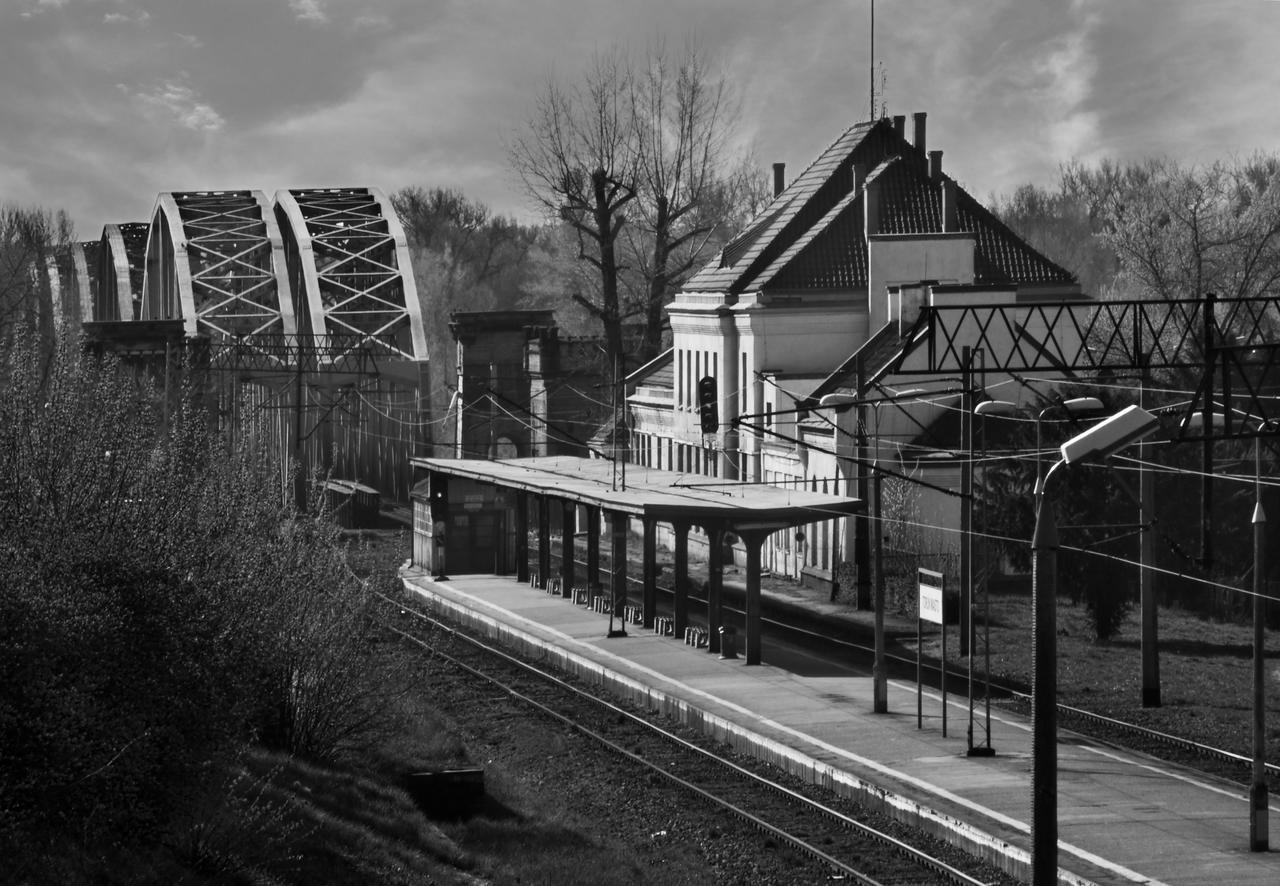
(1122, 817)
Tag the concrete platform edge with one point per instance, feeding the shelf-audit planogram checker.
(1000, 853)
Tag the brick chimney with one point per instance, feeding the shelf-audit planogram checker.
(950, 223)
(918, 120)
(779, 178)
(871, 206)
(935, 166)
(900, 126)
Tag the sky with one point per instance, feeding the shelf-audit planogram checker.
(106, 103)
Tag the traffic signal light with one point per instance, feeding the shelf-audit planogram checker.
(708, 407)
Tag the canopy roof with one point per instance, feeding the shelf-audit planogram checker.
(650, 493)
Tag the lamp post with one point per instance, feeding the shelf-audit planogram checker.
(879, 674)
(1100, 441)
(984, 749)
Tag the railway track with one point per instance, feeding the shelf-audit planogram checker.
(835, 838)
(1132, 736)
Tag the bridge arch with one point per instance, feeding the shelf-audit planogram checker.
(121, 253)
(349, 269)
(84, 268)
(215, 260)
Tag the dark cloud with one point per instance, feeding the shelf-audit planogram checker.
(105, 102)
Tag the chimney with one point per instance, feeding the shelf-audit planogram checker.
(779, 178)
(900, 126)
(935, 166)
(918, 119)
(871, 205)
(949, 222)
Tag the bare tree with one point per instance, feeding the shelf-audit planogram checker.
(29, 236)
(683, 116)
(577, 158)
(1182, 232)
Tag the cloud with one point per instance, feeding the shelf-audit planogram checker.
(176, 101)
(137, 17)
(1066, 72)
(41, 6)
(310, 11)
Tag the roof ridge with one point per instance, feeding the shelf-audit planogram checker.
(802, 242)
(774, 220)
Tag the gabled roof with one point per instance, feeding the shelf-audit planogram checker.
(811, 236)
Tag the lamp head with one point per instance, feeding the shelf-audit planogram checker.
(834, 401)
(995, 407)
(1126, 426)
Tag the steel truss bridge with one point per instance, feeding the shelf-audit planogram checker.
(308, 297)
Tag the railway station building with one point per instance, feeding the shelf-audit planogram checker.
(818, 296)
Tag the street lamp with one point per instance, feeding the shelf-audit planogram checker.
(1104, 439)
(984, 409)
(1074, 407)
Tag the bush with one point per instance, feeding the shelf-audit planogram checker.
(160, 605)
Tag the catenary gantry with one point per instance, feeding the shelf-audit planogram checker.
(474, 515)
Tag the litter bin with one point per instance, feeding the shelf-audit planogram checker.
(728, 642)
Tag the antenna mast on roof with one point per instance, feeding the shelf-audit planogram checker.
(872, 118)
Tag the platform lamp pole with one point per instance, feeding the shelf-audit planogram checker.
(1100, 441)
(879, 673)
(984, 749)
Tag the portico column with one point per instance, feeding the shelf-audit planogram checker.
(681, 578)
(544, 540)
(522, 536)
(618, 560)
(752, 540)
(593, 547)
(715, 581)
(568, 521)
(649, 599)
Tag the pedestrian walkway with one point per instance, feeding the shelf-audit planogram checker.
(1122, 817)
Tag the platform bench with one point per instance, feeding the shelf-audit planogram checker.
(695, 637)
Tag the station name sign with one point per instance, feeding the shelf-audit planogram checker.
(930, 584)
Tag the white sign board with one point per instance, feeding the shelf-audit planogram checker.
(930, 596)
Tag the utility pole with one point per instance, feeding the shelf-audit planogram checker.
(966, 500)
(1258, 814)
(1146, 568)
(300, 476)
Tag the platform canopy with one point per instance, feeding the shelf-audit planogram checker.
(652, 494)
